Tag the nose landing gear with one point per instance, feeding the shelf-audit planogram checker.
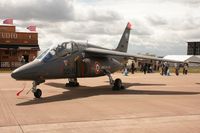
(36, 91)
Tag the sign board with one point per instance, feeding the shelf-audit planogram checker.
(18, 38)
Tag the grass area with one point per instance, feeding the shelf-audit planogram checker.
(190, 70)
(5, 71)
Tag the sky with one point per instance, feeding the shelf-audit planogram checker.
(160, 27)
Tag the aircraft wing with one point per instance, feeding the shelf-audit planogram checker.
(104, 52)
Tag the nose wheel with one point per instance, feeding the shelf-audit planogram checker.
(37, 93)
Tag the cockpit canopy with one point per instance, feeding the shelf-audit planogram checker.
(60, 50)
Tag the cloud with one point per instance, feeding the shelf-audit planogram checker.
(185, 23)
(141, 29)
(54, 11)
(99, 15)
(190, 2)
(159, 26)
(87, 12)
(47, 10)
(156, 20)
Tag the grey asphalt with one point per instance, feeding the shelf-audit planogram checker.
(150, 104)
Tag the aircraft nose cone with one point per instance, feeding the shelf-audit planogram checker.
(27, 71)
(15, 74)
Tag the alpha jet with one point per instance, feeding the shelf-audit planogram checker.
(74, 60)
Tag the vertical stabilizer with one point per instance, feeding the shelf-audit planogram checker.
(123, 43)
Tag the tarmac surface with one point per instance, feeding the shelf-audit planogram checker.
(150, 104)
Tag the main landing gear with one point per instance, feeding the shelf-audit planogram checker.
(36, 91)
(117, 83)
(72, 82)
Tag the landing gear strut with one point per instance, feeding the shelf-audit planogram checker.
(117, 83)
(36, 91)
(72, 82)
(108, 73)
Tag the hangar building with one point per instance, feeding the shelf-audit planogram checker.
(184, 58)
(16, 45)
(193, 48)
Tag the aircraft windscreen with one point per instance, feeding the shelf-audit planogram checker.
(60, 50)
(42, 54)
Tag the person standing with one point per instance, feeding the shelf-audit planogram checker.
(162, 68)
(125, 70)
(185, 69)
(176, 66)
(22, 60)
(132, 67)
(165, 68)
(145, 68)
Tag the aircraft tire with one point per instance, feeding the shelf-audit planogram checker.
(117, 85)
(72, 84)
(114, 88)
(38, 93)
(67, 85)
(77, 84)
(122, 87)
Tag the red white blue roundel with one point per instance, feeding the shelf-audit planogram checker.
(97, 68)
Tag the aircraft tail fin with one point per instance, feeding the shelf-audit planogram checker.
(123, 43)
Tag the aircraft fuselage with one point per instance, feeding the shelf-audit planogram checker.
(76, 65)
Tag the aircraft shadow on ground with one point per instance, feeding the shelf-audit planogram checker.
(86, 91)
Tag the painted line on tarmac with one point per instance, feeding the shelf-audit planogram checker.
(129, 121)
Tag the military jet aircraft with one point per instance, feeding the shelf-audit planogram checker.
(74, 60)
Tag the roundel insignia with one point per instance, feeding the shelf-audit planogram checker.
(97, 68)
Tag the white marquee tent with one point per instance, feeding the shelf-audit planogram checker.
(184, 58)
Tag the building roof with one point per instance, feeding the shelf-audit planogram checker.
(183, 58)
(197, 56)
(28, 46)
(178, 57)
(192, 41)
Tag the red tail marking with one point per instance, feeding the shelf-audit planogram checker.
(129, 25)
